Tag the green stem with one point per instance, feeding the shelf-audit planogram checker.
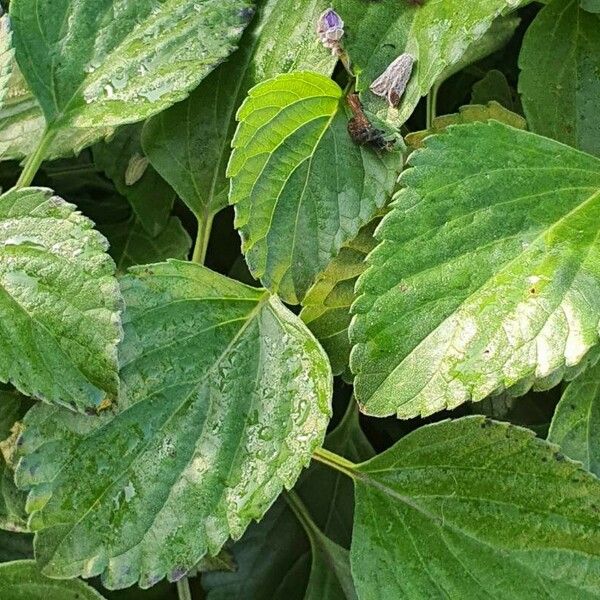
(301, 512)
(201, 245)
(335, 461)
(32, 164)
(432, 105)
(183, 589)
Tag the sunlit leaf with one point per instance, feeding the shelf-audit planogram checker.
(225, 394)
(475, 509)
(486, 277)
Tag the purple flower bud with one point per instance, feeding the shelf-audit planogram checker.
(330, 29)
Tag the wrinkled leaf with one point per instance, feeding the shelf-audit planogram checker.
(301, 187)
(326, 307)
(149, 195)
(576, 423)
(486, 277)
(189, 144)
(475, 509)
(436, 34)
(131, 245)
(59, 303)
(22, 580)
(560, 75)
(103, 63)
(471, 113)
(225, 394)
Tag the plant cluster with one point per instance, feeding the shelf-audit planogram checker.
(386, 386)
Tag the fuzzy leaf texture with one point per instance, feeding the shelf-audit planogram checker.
(576, 423)
(560, 75)
(189, 144)
(437, 35)
(59, 302)
(225, 395)
(301, 187)
(22, 580)
(102, 63)
(476, 509)
(486, 276)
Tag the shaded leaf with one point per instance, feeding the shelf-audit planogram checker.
(301, 187)
(131, 245)
(225, 394)
(560, 75)
(326, 307)
(103, 63)
(15, 546)
(189, 144)
(576, 423)
(471, 113)
(436, 34)
(60, 302)
(475, 509)
(149, 194)
(486, 276)
(493, 87)
(22, 580)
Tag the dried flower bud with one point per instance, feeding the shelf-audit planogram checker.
(330, 29)
(136, 168)
(391, 84)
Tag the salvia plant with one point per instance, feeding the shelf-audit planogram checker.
(374, 372)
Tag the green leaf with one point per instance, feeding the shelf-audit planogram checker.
(471, 113)
(104, 63)
(131, 245)
(560, 82)
(12, 501)
(224, 396)
(59, 302)
(189, 144)
(486, 274)
(326, 307)
(592, 6)
(301, 187)
(576, 423)
(6, 56)
(150, 196)
(475, 509)
(493, 87)
(274, 558)
(436, 34)
(22, 580)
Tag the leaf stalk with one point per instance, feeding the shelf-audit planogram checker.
(34, 161)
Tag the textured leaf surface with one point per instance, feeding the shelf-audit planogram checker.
(592, 6)
(274, 556)
(22, 580)
(475, 509)
(225, 394)
(12, 501)
(436, 34)
(560, 75)
(487, 274)
(150, 196)
(109, 62)
(576, 423)
(130, 243)
(300, 186)
(471, 113)
(59, 302)
(189, 144)
(326, 307)
(6, 56)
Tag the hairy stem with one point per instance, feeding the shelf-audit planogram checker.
(432, 105)
(183, 589)
(202, 237)
(33, 162)
(339, 463)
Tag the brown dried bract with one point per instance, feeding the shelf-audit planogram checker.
(361, 130)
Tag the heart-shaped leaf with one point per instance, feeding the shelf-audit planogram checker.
(486, 276)
(560, 75)
(102, 63)
(300, 185)
(576, 423)
(475, 509)
(225, 395)
(59, 302)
